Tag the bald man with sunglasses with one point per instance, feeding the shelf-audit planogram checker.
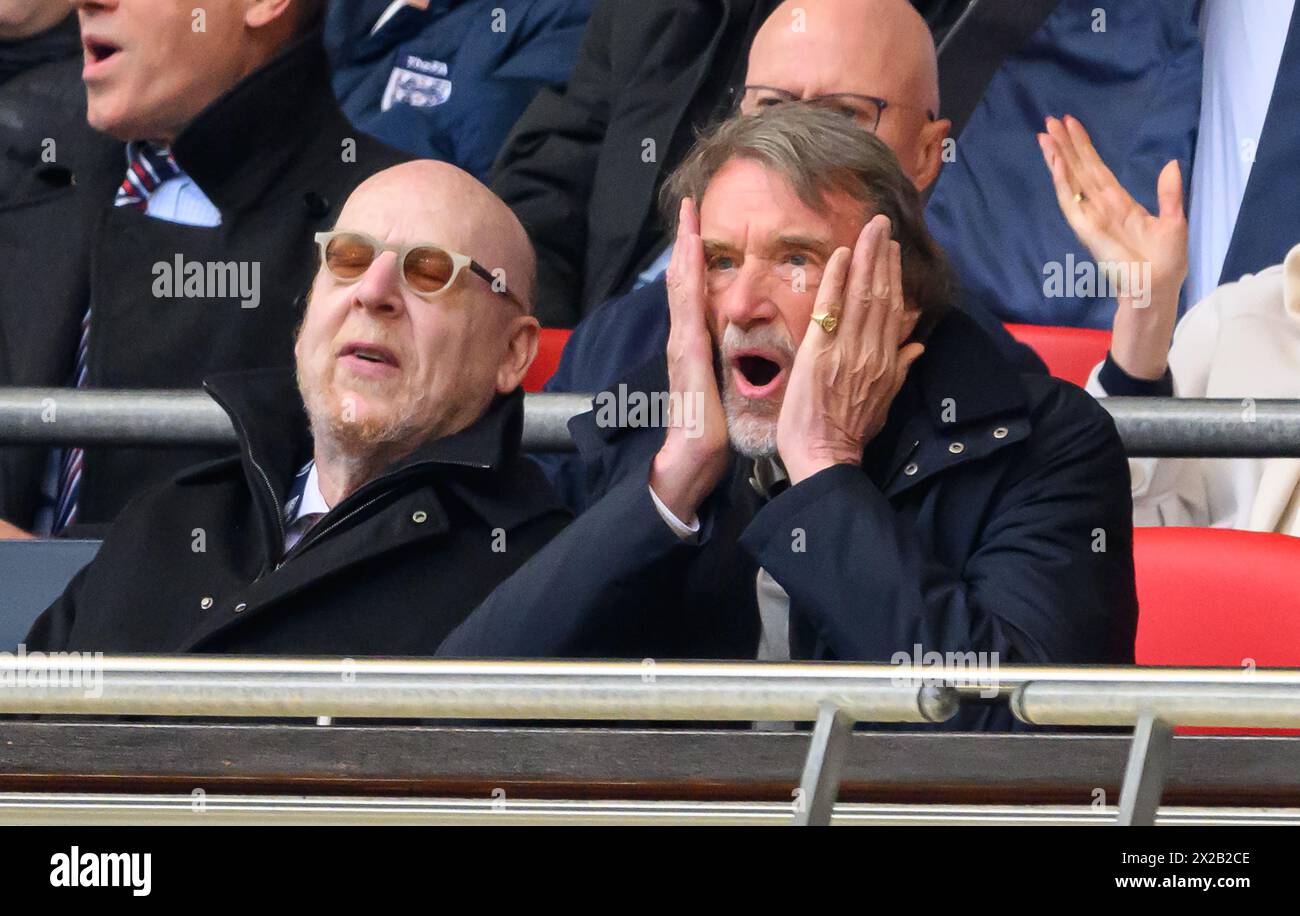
(379, 494)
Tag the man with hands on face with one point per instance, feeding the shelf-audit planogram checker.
(862, 474)
(1242, 341)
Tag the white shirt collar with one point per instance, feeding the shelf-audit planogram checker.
(313, 501)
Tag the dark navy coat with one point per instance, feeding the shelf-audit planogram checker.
(991, 514)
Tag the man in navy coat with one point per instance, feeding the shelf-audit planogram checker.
(848, 468)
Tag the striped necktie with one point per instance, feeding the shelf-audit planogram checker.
(148, 167)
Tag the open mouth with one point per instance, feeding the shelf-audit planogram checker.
(99, 51)
(756, 375)
(757, 370)
(371, 354)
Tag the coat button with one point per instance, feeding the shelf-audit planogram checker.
(419, 516)
(205, 602)
(956, 448)
(239, 608)
(1000, 432)
(911, 469)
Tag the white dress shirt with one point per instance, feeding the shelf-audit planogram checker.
(178, 199)
(304, 511)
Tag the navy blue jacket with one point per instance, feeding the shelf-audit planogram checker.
(449, 82)
(633, 330)
(1018, 543)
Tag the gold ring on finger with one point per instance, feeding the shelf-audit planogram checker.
(827, 321)
(1080, 197)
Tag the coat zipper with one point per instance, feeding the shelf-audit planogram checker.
(270, 491)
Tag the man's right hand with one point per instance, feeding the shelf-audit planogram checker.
(693, 457)
(1116, 228)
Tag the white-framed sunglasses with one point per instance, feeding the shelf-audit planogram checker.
(427, 269)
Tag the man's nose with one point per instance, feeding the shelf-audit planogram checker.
(380, 287)
(747, 300)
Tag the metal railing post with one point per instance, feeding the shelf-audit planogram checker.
(820, 785)
(1144, 774)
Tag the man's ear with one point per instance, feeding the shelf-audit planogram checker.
(261, 13)
(521, 348)
(929, 153)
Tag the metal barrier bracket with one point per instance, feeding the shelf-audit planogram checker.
(822, 769)
(1144, 774)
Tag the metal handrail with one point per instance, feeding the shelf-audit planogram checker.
(833, 695)
(1245, 703)
(71, 683)
(84, 684)
(183, 419)
(1150, 427)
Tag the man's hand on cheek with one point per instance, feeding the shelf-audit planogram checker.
(693, 457)
(843, 381)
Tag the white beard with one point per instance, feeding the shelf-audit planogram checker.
(751, 424)
(752, 433)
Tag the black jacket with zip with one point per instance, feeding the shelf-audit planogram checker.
(197, 564)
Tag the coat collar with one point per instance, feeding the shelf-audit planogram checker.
(270, 422)
(962, 377)
(478, 469)
(289, 98)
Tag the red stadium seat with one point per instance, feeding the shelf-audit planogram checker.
(549, 349)
(1215, 596)
(1070, 353)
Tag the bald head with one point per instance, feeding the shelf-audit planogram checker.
(394, 352)
(879, 48)
(435, 202)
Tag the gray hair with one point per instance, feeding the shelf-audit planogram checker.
(819, 153)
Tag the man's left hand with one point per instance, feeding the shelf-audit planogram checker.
(843, 381)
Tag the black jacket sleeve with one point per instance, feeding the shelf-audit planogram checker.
(546, 169)
(1050, 581)
(53, 629)
(603, 588)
